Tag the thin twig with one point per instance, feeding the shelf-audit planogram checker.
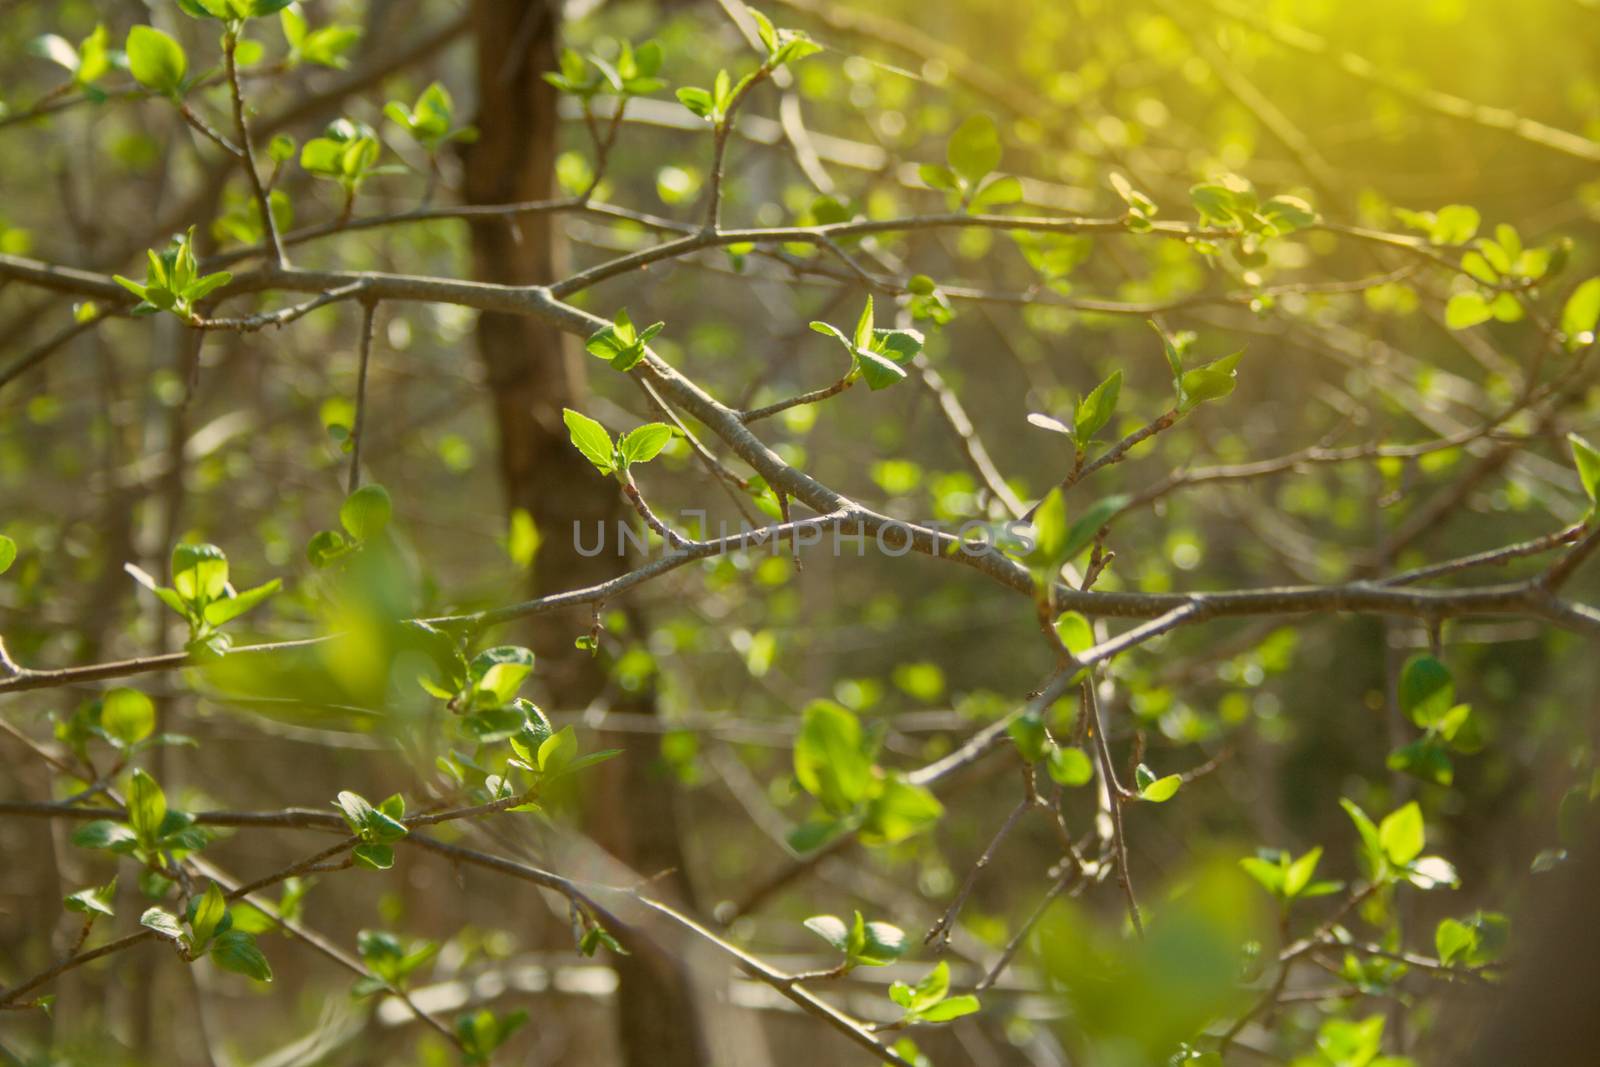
(358, 428)
(940, 930)
(247, 156)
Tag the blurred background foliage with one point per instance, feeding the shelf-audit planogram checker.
(131, 439)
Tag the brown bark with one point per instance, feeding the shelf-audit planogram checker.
(533, 372)
(1547, 1012)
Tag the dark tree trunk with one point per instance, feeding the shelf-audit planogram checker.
(533, 372)
(1547, 1011)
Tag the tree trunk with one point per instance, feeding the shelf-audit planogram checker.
(533, 372)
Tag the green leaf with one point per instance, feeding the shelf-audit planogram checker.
(1507, 238)
(596, 936)
(522, 538)
(1213, 381)
(481, 1033)
(1433, 872)
(366, 512)
(357, 812)
(832, 331)
(795, 46)
(199, 572)
(1347, 1043)
(879, 371)
(696, 100)
(1427, 691)
(1088, 525)
(831, 760)
(997, 191)
(1587, 459)
(1424, 759)
(105, 834)
(831, 929)
(942, 178)
(814, 833)
(1455, 224)
(1466, 309)
(94, 58)
(949, 1008)
(206, 915)
(497, 674)
(1300, 871)
(178, 832)
(863, 334)
(147, 806)
(1453, 939)
(327, 46)
(1505, 307)
(1372, 854)
(591, 439)
(1401, 834)
(1050, 535)
(765, 30)
(1170, 350)
(236, 951)
(974, 149)
(1450, 724)
(95, 900)
(1070, 767)
(1270, 874)
(1156, 790)
(8, 553)
(294, 27)
(534, 732)
(1478, 940)
(558, 750)
(1095, 410)
(1140, 206)
(428, 120)
(382, 952)
(500, 685)
(1049, 422)
(1075, 632)
(1215, 203)
(608, 342)
(325, 547)
(899, 811)
(229, 608)
(203, 287)
(641, 444)
(1287, 214)
(901, 346)
(933, 988)
(128, 716)
(875, 944)
(346, 153)
(1028, 733)
(155, 60)
(232, 10)
(1581, 314)
(371, 824)
(163, 923)
(322, 156)
(378, 857)
(386, 827)
(1477, 266)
